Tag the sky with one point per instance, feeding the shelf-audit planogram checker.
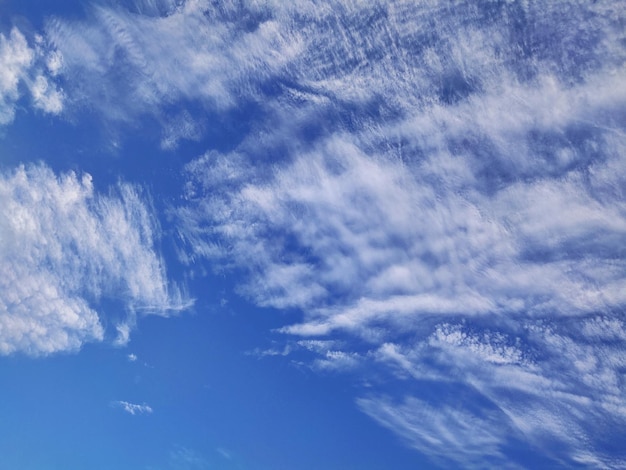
(339, 234)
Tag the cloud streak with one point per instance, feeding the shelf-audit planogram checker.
(65, 250)
(555, 387)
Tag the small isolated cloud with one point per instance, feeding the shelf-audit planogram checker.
(132, 357)
(258, 352)
(123, 334)
(132, 408)
(184, 458)
(24, 67)
(65, 247)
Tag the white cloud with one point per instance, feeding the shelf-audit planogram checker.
(182, 126)
(133, 408)
(394, 239)
(123, 334)
(46, 98)
(337, 361)
(224, 453)
(446, 225)
(446, 195)
(488, 347)
(257, 352)
(556, 393)
(197, 51)
(20, 67)
(16, 58)
(435, 169)
(395, 55)
(64, 247)
(447, 433)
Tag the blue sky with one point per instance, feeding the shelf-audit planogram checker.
(312, 234)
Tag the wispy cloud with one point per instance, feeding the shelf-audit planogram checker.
(224, 453)
(452, 174)
(454, 208)
(132, 408)
(187, 459)
(64, 248)
(213, 55)
(551, 385)
(393, 238)
(28, 66)
(446, 432)
(449, 175)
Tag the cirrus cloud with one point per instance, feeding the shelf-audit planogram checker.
(65, 249)
(439, 186)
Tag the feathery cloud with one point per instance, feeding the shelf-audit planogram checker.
(63, 248)
(451, 174)
(132, 408)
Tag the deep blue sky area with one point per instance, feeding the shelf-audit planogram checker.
(312, 235)
(209, 395)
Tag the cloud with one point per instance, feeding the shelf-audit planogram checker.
(132, 408)
(154, 57)
(393, 239)
(182, 126)
(184, 458)
(46, 98)
(440, 187)
(15, 57)
(224, 56)
(446, 433)
(540, 383)
(224, 453)
(260, 353)
(22, 66)
(64, 249)
(499, 200)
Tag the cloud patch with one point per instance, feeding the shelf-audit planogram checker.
(23, 66)
(65, 249)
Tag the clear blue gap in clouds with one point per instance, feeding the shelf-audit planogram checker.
(422, 206)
